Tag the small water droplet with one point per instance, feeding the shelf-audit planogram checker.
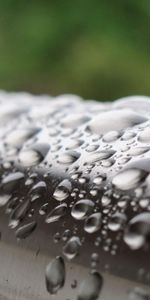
(99, 179)
(138, 151)
(43, 209)
(74, 284)
(66, 235)
(92, 148)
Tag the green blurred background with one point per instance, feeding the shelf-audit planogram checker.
(97, 49)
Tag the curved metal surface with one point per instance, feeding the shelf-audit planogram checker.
(74, 197)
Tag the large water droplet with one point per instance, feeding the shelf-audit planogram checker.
(68, 157)
(93, 223)
(128, 179)
(74, 120)
(57, 213)
(99, 155)
(62, 191)
(55, 275)
(137, 233)
(90, 288)
(73, 144)
(19, 136)
(34, 155)
(144, 136)
(138, 151)
(11, 181)
(19, 213)
(115, 120)
(82, 208)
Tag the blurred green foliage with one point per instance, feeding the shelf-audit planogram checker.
(98, 49)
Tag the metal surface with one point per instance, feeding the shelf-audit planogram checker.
(46, 141)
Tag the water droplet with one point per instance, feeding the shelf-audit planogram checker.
(71, 249)
(55, 275)
(56, 237)
(19, 136)
(117, 221)
(105, 200)
(93, 223)
(99, 179)
(43, 209)
(144, 203)
(144, 136)
(137, 151)
(99, 155)
(25, 230)
(19, 213)
(11, 181)
(66, 235)
(114, 120)
(81, 209)
(128, 135)
(68, 157)
(74, 120)
(73, 144)
(90, 288)
(34, 155)
(128, 179)
(39, 187)
(62, 191)
(111, 136)
(137, 233)
(92, 148)
(57, 213)
(95, 257)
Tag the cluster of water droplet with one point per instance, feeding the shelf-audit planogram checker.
(82, 163)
